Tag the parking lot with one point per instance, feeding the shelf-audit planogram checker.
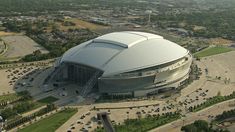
(19, 78)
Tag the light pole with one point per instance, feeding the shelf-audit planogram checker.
(1, 123)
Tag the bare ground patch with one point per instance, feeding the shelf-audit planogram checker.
(19, 46)
(2, 33)
(219, 41)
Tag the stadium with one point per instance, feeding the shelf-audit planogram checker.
(125, 63)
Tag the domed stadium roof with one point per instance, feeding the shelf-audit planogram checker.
(126, 51)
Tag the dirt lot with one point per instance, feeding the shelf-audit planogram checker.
(19, 46)
(219, 41)
(2, 33)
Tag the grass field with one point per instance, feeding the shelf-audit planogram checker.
(9, 58)
(143, 124)
(36, 105)
(80, 24)
(42, 102)
(212, 51)
(8, 97)
(51, 123)
(48, 100)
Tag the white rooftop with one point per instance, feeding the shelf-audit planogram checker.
(126, 39)
(120, 52)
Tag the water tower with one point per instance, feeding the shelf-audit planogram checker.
(149, 12)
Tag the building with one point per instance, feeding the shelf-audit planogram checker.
(125, 63)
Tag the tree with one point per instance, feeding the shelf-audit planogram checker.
(37, 52)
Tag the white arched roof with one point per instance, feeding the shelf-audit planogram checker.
(120, 52)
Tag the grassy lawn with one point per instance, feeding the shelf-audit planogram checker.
(36, 105)
(212, 51)
(42, 102)
(8, 97)
(79, 24)
(143, 124)
(9, 58)
(48, 100)
(51, 123)
(84, 24)
(24, 106)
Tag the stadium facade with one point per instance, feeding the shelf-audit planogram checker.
(125, 63)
